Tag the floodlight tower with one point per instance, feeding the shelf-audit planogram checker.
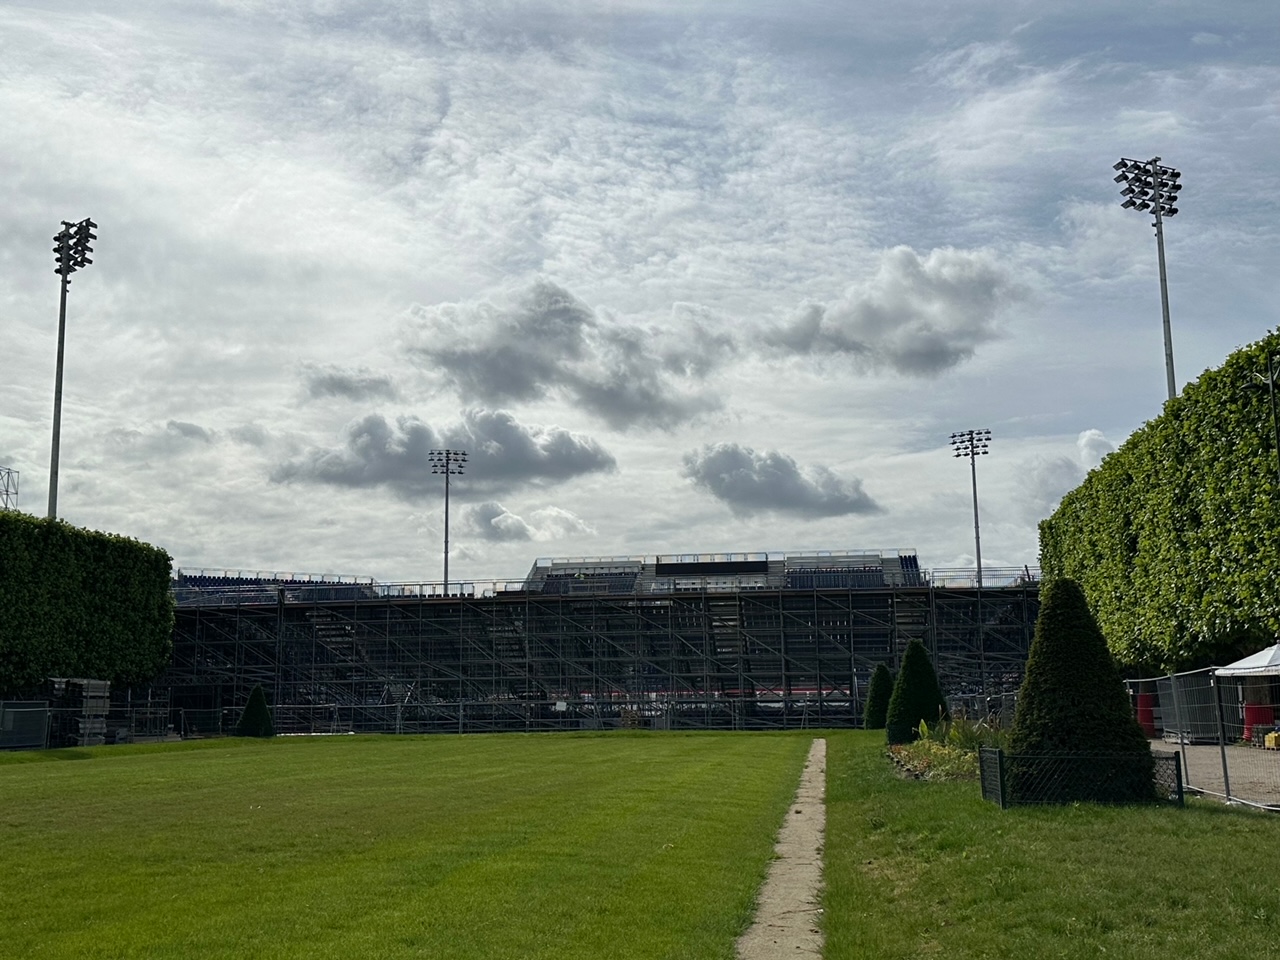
(973, 444)
(70, 254)
(451, 464)
(1149, 186)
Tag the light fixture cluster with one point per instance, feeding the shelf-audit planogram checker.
(72, 250)
(449, 462)
(971, 443)
(1148, 186)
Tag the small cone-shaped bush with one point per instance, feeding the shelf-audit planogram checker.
(1073, 703)
(879, 690)
(916, 696)
(256, 719)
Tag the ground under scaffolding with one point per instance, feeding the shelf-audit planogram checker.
(337, 658)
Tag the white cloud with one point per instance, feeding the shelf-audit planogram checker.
(772, 482)
(1093, 446)
(916, 315)
(502, 454)
(492, 521)
(544, 342)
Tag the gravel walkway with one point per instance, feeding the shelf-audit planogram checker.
(1255, 773)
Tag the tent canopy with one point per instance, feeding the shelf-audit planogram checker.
(1264, 663)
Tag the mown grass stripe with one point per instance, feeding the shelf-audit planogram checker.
(481, 846)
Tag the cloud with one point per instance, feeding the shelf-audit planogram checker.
(327, 380)
(1092, 447)
(1045, 480)
(749, 482)
(546, 342)
(175, 438)
(917, 316)
(494, 522)
(503, 455)
(251, 434)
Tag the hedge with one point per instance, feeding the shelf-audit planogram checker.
(1175, 537)
(79, 603)
(916, 696)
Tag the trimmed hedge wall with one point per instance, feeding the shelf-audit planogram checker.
(1175, 538)
(79, 603)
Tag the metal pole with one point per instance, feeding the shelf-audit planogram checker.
(1164, 280)
(1271, 389)
(977, 536)
(57, 390)
(446, 525)
(1178, 720)
(1222, 735)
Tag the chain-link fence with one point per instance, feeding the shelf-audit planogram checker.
(1224, 728)
(1019, 779)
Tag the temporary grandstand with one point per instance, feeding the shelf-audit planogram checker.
(733, 641)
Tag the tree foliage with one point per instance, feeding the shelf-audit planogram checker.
(256, 719)
(916, 696)
(879, 690)
(1175, 538)
(79, 603)
(1073, 703)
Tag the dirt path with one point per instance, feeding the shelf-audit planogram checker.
(788, 913)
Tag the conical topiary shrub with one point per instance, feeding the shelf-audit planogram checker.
(879, 690)
(1073, 704)
(256, 719)
(916, 696)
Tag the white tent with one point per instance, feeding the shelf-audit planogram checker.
(1264, 663)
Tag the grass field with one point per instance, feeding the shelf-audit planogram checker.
(605, 846)
(929, 869)
(564, 846)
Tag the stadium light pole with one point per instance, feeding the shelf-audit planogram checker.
(451, 464)
(70, 254)
(973, 444)
(1149, 186)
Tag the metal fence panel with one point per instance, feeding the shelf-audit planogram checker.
(24, 724)
(1220, 727)
(991, 773)
(1027, 779)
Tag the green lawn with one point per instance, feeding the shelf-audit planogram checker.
(556, 846)
(929, 869)
(593, 846)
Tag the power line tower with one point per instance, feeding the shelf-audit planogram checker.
(8, 489)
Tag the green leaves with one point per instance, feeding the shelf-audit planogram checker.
(79, 603)
(916, 698)
(879, 690)
(1175, 538)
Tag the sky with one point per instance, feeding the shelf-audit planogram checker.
(678, 277)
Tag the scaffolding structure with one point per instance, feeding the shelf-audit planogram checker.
(709, 653)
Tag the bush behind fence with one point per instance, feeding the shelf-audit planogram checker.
(1026, 779)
